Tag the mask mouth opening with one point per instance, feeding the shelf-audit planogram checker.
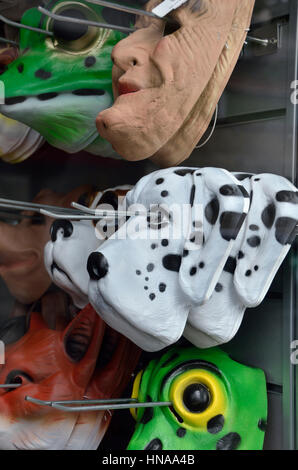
(108, 348)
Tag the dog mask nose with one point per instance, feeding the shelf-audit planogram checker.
(97, 266)
(65, 225)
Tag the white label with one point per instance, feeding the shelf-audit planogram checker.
(168, 5)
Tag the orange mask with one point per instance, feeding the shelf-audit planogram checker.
(85, 360)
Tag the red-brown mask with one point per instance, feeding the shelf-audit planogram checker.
(62, 365)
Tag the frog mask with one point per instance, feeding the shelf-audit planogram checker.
(59, 83)
(217, 403)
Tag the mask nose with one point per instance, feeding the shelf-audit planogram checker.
(97, 266)
(124, 59)
(65, 225)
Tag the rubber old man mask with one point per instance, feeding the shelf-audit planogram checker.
(169, 76)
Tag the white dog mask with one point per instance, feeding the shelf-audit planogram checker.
(153, 287)
(72, 242)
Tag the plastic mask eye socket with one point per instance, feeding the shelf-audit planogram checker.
(38, 219)
(198, 396)
(135, 393)
(34, 218)
(74, 37)
(17, 377)
(171, 27)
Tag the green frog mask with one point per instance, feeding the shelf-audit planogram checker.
(62, 78)
(217, 403)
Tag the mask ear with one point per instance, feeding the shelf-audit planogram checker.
(84, 191)
(110, 198)
(223, 204)
(217, 321)
(13, 329)
(270, 228)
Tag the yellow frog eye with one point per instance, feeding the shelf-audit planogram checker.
(197, 396)
(74, 37)
(135, 393)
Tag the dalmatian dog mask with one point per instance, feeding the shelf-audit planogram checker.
(154, 283)
(72, 242)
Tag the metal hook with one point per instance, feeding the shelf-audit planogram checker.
(9, 41)
(96, 24)
(96, 214)
(97, 405)
(21, 205)
(24, 26)
(69, 216)
(10, 385)
(106, 213)
(13, 216)
(56, 211)
(116, 6)
(262, 42)
(80, 212)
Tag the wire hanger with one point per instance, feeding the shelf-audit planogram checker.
(80, 212)
(24, 26)
(97, 405)
(68, 19)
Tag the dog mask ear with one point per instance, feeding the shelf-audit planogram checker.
(223, 204)
(270, 228)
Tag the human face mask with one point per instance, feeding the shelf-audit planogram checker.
(166, 86)
(22, 246)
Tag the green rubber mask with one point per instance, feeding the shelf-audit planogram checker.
(62, 81)
(217, 403)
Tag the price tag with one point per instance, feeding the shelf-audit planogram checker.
(165, 7)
